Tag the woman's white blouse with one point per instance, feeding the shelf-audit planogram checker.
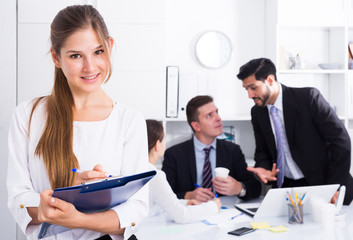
(161, 194)
(118, 143)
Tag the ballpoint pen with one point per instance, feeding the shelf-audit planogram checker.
(236, 216)
(76, 170)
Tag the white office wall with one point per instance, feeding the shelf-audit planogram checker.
(39, 11)
(35, 67)
(138, 28)
(148, 41)
(242, 21)
(7, 104)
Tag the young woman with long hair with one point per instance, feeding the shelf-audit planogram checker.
(77, 126)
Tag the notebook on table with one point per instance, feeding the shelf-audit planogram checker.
(274, 203)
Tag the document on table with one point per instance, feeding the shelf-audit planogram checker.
(227, 215)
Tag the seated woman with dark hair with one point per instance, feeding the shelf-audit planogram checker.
(180, 210)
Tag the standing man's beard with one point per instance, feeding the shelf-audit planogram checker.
(262, 101)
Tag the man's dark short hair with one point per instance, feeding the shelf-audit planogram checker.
(192, 112)
(260, 68)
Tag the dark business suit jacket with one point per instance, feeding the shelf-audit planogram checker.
(317, 139)
(179, 164)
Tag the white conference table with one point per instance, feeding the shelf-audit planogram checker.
(160, 227)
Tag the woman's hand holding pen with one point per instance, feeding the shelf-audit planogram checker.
(218, 202)
(89, 175)
(192, 202)
(215, 199)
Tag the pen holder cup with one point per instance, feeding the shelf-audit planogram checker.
(295, 214)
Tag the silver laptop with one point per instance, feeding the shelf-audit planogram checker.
(274, 203)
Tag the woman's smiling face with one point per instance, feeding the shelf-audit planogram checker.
(83, 61)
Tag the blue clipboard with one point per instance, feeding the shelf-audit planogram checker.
(97, 196)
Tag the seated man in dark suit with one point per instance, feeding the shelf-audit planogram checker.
(190, 165)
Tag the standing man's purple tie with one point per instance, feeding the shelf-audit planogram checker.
(280, 138)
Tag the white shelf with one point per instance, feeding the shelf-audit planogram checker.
(230, 119)
(313, 71)
(310, 27)
(224, 118)
(316, 39)
(175, 119)
(237, 118)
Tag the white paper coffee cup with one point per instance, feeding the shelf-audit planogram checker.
(315, 204)
(328, 212)
(221, 172)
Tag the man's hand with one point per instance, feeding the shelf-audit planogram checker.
(264, 174)
(334, 198)
(200, 194)
(227, 186)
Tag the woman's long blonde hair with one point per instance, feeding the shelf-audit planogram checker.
(56, 143)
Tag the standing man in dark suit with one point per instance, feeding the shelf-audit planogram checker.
(299, 139)
(190, 165)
